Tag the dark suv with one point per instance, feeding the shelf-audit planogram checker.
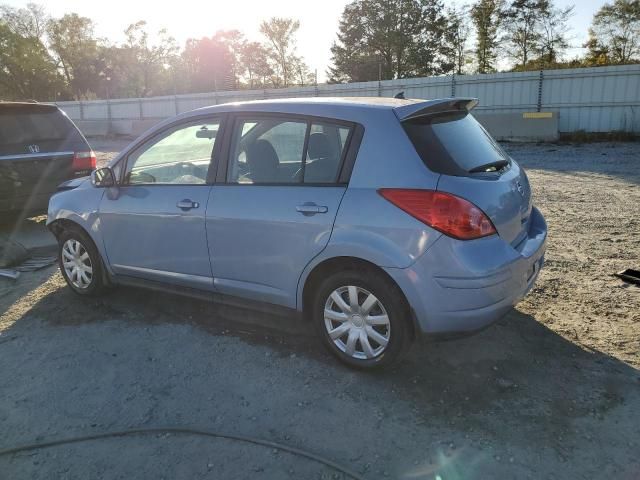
(40, 148)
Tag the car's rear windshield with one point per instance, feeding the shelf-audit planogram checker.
(453, 144)
(27, 126)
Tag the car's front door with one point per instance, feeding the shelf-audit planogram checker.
(153, 226)
(274, 207)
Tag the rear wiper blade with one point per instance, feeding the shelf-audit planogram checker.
(490, 167)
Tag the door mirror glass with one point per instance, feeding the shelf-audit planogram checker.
(103, 177)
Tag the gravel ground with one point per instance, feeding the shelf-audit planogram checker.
(550, 391)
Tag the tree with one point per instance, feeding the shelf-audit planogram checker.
(614, 36)
(487, 20)
(209, 64)
(255, 63)
(29, 22)
(75, 47)
(402, 38)
(281, 45)
(458, 36)
(522, 22)
(27, 70)
(352, 58)
(235, 41)
(146, 65)
(553, 34)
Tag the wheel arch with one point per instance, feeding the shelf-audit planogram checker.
(334, 264)
(61, 224)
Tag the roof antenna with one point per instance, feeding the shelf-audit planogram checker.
(399, 95)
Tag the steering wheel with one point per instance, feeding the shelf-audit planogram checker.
(141, 177)
(193, 169)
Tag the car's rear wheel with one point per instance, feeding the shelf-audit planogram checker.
(80, 263)
(362, 318)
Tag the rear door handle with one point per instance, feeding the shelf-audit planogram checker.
(187, 204)
(311, 209)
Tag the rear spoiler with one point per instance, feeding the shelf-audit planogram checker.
(434, 107)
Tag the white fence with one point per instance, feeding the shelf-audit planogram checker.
(602, 99)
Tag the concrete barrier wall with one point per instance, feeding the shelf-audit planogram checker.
(601, 99)
(521, 127)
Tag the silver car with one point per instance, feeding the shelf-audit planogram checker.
(376, 219)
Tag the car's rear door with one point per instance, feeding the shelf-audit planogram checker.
(37, 147)
(273, 207)
(153, 223)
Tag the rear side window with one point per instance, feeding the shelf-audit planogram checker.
(277, 150)
(453, 144)
(27, 127)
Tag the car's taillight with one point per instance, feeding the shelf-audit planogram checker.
(84, 161)
(452, 215)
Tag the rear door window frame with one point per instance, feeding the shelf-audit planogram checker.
(347, 158)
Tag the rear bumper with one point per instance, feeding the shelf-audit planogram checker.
(462, 286)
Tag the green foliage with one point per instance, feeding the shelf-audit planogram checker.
(27, 70)
(487, 20)
(254, 61)
(457, 36)
(57, 59)
(391, 39)
(521, 26)
(72, 41)
(281, 46)
(614, 36)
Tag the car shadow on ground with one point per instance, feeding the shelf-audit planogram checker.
(511, 386)
(515, 356)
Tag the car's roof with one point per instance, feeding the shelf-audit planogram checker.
(338, 102)
(345, 106)
(356, 102)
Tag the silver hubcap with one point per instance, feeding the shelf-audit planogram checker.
(76, 263)
(357, 322)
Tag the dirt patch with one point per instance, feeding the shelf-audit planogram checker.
(550, 391)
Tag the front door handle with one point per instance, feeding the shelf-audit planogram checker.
(187, 204)
(310, 208)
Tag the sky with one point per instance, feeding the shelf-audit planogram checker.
(195, 19)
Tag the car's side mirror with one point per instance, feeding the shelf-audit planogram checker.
(103, 177)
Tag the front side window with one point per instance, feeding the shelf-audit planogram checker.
(181, 156)
(282, 151)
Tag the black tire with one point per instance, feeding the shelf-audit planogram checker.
(391, 299)
(96, 285)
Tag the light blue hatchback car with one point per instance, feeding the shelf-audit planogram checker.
(376, 219)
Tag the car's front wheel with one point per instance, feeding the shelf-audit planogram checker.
(80, 263)
(362, 318)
